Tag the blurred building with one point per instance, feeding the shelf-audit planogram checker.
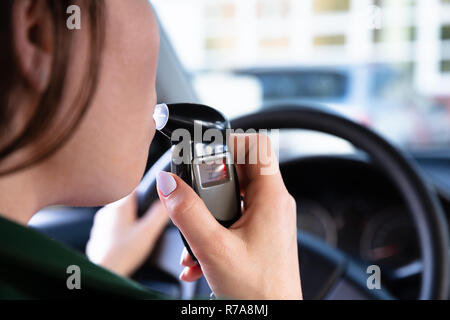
(223, 34)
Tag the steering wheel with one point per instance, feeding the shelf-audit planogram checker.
(342, 277)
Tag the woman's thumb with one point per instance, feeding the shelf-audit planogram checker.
(188, 212)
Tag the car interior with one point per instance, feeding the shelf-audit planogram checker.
(373, 204)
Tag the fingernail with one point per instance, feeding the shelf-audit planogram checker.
(182, 274)
(166, 183)
(183, 254)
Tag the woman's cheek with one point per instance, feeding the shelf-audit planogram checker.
(127, 94)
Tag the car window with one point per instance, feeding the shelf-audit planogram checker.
(383, 63)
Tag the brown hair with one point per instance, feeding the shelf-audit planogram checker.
(42, 126)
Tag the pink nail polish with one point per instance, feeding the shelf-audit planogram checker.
(166, 183)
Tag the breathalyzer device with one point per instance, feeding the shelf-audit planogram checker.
(200, 156)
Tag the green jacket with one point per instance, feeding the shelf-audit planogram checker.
(32, 266)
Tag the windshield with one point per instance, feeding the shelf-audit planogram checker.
(383, 63)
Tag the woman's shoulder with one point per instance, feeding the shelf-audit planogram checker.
(35, 266)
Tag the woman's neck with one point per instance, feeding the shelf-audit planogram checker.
(21, 196)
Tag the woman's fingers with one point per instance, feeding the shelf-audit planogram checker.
(186, 259)
(190, 274)
(154, 221)
(257, 168)
(119, 240)
(156, 216)
(189, 213)
(255, 159)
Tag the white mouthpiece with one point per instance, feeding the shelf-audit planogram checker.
(161, 115)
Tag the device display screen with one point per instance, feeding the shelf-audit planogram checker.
(213, 173)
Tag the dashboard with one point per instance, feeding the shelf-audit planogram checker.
(351, 205)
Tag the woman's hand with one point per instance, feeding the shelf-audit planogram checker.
(257, 257)
(119, 240)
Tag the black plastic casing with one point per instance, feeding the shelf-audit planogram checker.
(200, 118)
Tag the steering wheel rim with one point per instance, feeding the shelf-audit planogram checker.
(422, 203)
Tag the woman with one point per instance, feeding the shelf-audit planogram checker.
(76, 123)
